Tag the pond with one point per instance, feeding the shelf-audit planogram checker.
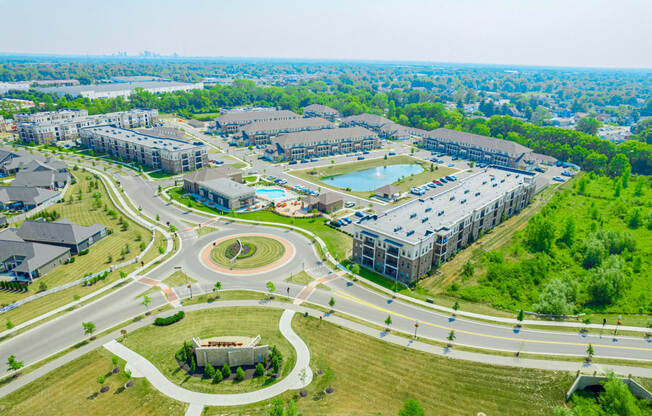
(371, 179)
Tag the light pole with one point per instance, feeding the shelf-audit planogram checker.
(416, 325)
(188, 284)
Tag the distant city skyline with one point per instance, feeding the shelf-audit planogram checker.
(581, 33)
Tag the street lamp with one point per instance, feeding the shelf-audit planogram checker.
(416, 325)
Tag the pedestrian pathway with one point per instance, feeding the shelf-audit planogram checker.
(169, 293)
(299, 377)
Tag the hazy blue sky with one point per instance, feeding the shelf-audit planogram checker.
(609, 33)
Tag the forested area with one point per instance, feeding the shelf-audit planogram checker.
(589, 249)
(583, 149)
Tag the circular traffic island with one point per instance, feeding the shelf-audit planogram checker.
(247, 253)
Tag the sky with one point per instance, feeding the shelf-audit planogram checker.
(593, 33)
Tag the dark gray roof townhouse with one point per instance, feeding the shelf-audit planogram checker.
(475, 147)
(26, 259)
(259, 132)
(318, 110)
(27, 197)
(50, 173)
(233, 120)
(370, 121)
(398, 132)
(12, 161)
(303, 144)
(62, 233)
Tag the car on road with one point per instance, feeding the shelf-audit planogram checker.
(540, 170)
(366, 152)
(392, 153)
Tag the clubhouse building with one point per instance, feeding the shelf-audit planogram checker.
(404, 243)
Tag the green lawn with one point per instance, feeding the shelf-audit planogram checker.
(338, 243)
(205, 230)
(388, 375)
(73, 389)
(263, 251)
(178, 278)
(318, 174)
(159, 343)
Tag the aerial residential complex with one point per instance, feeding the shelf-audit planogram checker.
(53, 126)
(406, 242)
(482, 149)
(306, 144)
(169, 155)
(232, 121)
(259, 132)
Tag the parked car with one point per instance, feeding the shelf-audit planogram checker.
(314, 160)
(538, 169)
(360, 157)
(292, 162)
(558, 179)
(349, 204)
(432, 185)
(450, 165)
(359, 214)
(443, 180)
(305, 161)
(366, 152)
(392, 153)
(436, 182)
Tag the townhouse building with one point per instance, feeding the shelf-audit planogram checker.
(234, 120)
(169, 155)
(481, 149)
(369, 121)
(316, 143)
(318, 110)
(406, 242)
(260, 132)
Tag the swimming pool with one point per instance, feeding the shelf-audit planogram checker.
(271, 194)
(374, 178)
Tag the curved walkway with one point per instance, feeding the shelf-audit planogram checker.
(293, 381)
(205, 255)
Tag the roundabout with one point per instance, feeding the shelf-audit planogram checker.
(250, 253)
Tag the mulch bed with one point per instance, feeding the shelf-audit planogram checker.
(248, 369)
(129, 383)
(247, 250)
(329, 390)
(104, 389)
(116, 370)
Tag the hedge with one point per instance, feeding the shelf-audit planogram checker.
(168, 320)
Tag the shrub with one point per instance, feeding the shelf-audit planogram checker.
(260, 370)
(218, 376)
(209, 371)
(239, 374)
(226, 371)
(168, 320)
(83, 252)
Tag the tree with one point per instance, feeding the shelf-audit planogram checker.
(42, 286)
(13, 364)
(619, 165)
(451, 336)
(388, 321)
(209, 371)
(589, 352)
(540, 233)
(331, 302)
(355, 269)
(456, 306)
(270, 287)
(411, 408)
(609, 283)
(588, 125)
(557, 298)
(568, 233)
(216, 287)
(101, 380)
(239, 374)
(218, 376)
(146, 301)
(468, 269)
(260, 370)
(89, 328)
(226, 371)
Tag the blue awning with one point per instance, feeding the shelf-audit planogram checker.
(369, 234)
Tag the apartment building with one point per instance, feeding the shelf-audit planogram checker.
(406, 242)
(315, 143)
(318, 110)
(169, 155)
(234, 120)
(53, 126)
(260, 132)
(482, 149)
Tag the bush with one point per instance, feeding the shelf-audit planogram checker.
(168, 320)
(260, 370)
(209, 371)
(239, 374)
(218, 376)
(83, 252)
(226, 371)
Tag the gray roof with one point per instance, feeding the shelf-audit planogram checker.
(513, 149)
(36, 254)
(225, 171)
(440, 212)
(227, 188)
(323, 136)
(284, 126)
(320, 109)
(40, 178)
(245, 117)
(140, 139)
(25, 194)
(118, 86)
(60, 232)
(388, 190)
(327, 198)
(395, 129)
(45, 164)
(370, 120)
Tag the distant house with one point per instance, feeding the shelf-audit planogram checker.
(326, 202)
(388, 192)
(225, 193)
(191, 180)
(28, 260)
(318, 110)
(25, 198)
(62, 233)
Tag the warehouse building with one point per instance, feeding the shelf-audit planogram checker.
(54, 126)
(406, 242)
(260, 132)
(169, 155)
(316, 143)
(318, 110)
(120, 89)
(481, 149)
(234, 120)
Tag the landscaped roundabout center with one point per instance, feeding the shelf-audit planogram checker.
(247, 252)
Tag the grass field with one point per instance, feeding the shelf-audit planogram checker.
(338, 243)
(178, 278)
(159, 344)
(303, 278)
(318, 174)
(73, 389)
(265, 251)
(388, 375)
(205, 230)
